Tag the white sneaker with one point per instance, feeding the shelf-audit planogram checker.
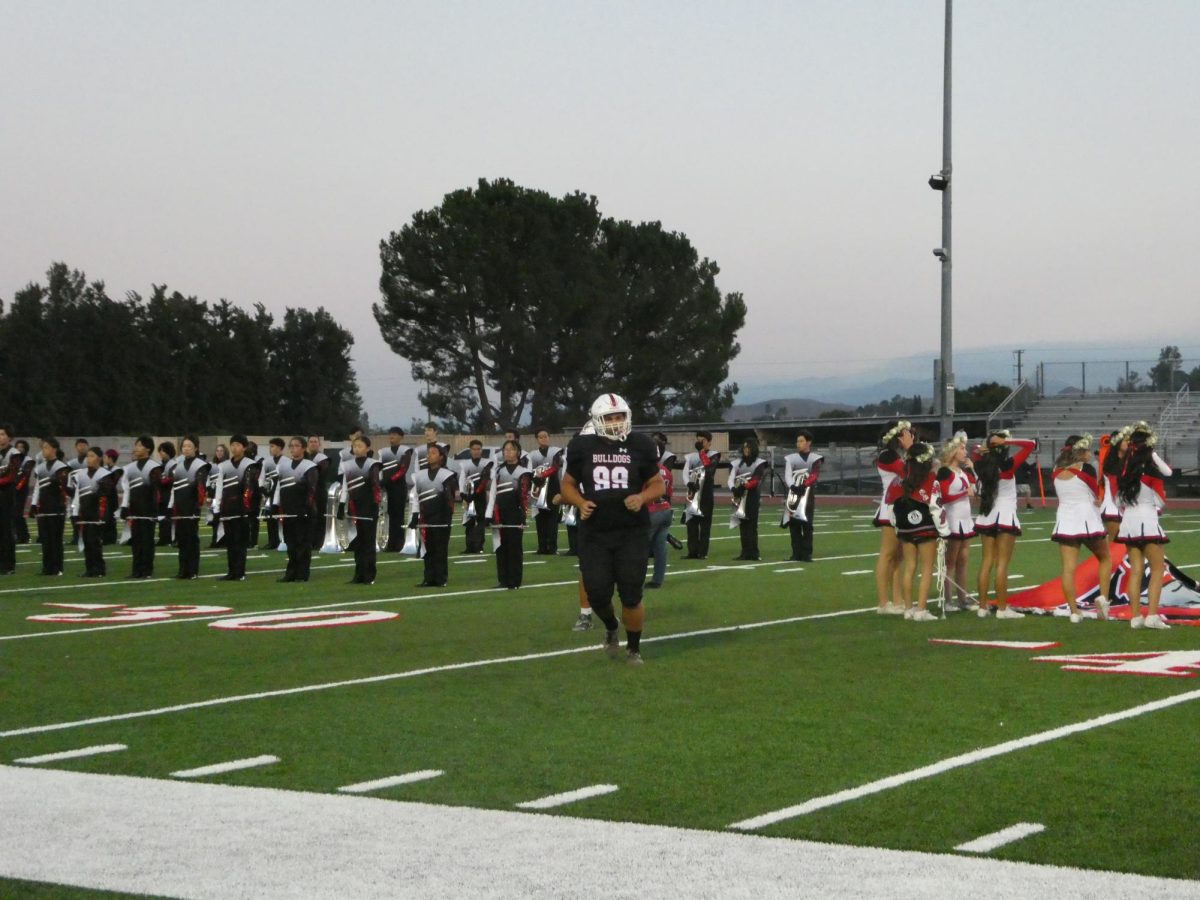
(923, 615)
(891, 609)
(968, 604)
(1135, 622)
(1008, 613)
(1075, 618)
(982, 612)
(1102, 606)
(908, 613)
(1155, 621)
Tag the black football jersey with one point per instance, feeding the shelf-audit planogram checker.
(607, 472)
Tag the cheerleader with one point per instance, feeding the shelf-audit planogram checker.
(890, 464)
(956, 481)
(997, 524)
(1112, 458)
(1078, 522)
(1141, 491)
(919, 522)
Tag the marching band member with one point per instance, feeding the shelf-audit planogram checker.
(138, 507)
(436, 488)
(10, 472)
(78, 461)
(699, 477)
(110, 510)
(293, 504)
(919, 523)
(745, 480)
(395, 459)
(997, 523)
(51, 495)
(1078, 521)
(325, 476)
(671, 462)
(431, 439)
(220, 455)
(473, 482)
(267, 478)
(254, 491)
(956, 482)
(232, 501)
(546, 462)
(661, 515)
(1143, 496)
(189, 494)
(890, 464)
(361, 493)
(510, 485)
(167, 461)
(21, 492)
(90, 510)
(804, 466)
(1112, 460)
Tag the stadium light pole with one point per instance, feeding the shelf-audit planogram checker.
(941, 182)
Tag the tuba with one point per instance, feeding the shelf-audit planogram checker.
(335, 528)
(694, 487)
(739, 497)
(797, 497)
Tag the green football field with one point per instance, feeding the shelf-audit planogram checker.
(771, 692)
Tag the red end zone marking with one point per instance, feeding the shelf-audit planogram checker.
(319, 619)
(122, 613)
(1005, 645)
(1161, 664)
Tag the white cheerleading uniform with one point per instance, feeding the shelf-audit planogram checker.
(1002, 517)
(890, 466)
(1078, 516)
(1139, 520)
(1110, 509)
(956, 501)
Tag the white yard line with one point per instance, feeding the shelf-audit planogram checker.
(234, 765)
(989, 842)
(411, 673)
(781, 571)
(859, 572)
(954, 762)
(71, 754)
(379, 784)
(203, 840)
(563, 799)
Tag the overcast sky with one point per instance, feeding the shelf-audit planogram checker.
(259, 152)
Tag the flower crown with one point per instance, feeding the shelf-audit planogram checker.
(959, 440)
(1150, 439)
(922, 456)
(900, 427)
(1082, 443)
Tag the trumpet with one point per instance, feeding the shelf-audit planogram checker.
(740, 495)
(695, 486)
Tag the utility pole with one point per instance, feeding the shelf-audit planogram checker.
(941, 182)
(1018, 352)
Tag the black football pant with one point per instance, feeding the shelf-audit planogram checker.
(141, 542)
(50, 536)
(299, 550)
(365, 550)
(235, 545)
(187, 539)
(510, 557)
(611, 560)
(437, 552)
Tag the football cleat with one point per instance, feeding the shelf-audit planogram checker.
(583, 623)
(612, 644)
(633, 658)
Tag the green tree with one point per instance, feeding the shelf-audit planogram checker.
(982, 397)
(1162, 376)
(508, 302)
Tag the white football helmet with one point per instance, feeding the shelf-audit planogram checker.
(607, 405)
(588, 428)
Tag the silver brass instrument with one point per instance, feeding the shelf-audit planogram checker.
(541, 494)
(412, 542)
(468, 494)
(570, 515)
(335, 528)
(739, 498)
(695, 486)
(381, 528)
(797, 498)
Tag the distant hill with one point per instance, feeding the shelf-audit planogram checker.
(787, 408)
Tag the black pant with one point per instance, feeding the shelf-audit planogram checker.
(802, 532)
(235, 545)
(187, 538)
(613, 559)
(272, 533)
(316, 523)
(510, 557)
(572, 540)
(252, 524)
(699, 529)
(547, 531)
(437, 552)
(299, 551)
(476, 532)
(93, 548)
(166, 535)
(141, 542)
(8, 548)
(50, 536)
(365, 550)
(20, 527)
(397, 523)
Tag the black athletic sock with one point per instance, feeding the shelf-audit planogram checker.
(633, 641)
(607, 617)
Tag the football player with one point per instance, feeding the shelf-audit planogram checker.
(611, 476)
